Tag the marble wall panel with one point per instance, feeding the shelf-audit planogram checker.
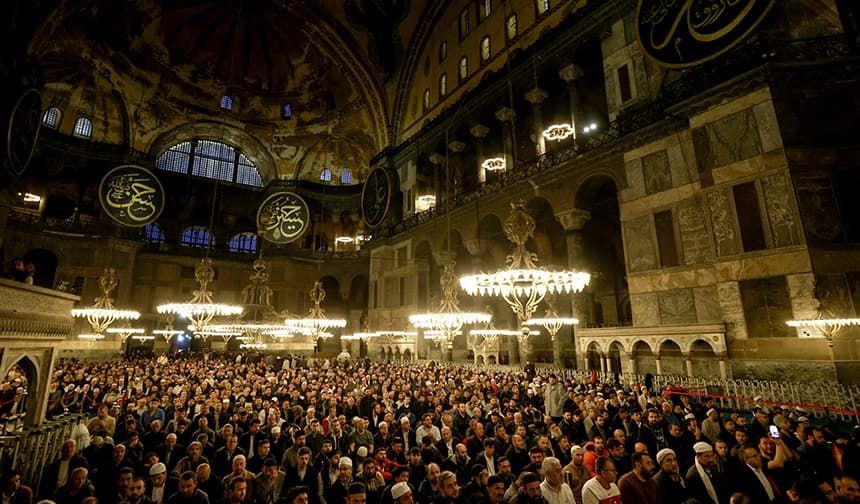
(781, 214)
(695, 239)
(707, 304)
(645, 310)
(767, 306)
(729, 295)
(768, 127)
(734, 138)
(677, 307)
(635, 181)
(818, 206)
(639, 242)
(804, 305)
(722, 219)
(655, 169)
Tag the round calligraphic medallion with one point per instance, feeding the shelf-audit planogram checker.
(131, 195)
(681, 34)
(23, 131)
(376, 197)
(283, 217)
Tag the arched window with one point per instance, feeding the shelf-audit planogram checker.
(245, 243)
(196, 236)
(542, 6)
(153, 233)
(443, 85)
(464, 68)
(83, 127)
(443, 51)
(485, 49)
(226, 102)
(209, 159)
(51, 117)
(426, 100)
(346, 176)
(325, 175)
(485, 8)
(511, 27)
(286, 111)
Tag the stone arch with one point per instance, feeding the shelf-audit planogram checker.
(616, 357)
(28, 403)
(358, 292)
(599, 246)
(479, 360)
(494, 243)
(548, 241)
(672, 360)
(46, 263)
(491, 360)
(250, 145)
(642, 355)
(703, 358)
(593, 355)
(428, 273)
(407, 354)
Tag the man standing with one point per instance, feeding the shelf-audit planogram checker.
(553, 488)
(752, 481)
(158, 490)
(601, 489)
(269, 484)
(637, 485)
(554, 397)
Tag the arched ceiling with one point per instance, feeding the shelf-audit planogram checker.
(334, 61)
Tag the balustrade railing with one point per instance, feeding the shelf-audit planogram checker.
(32, 449)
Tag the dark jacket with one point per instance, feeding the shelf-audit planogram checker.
(747, 482)
(671, 491)
(697, 490)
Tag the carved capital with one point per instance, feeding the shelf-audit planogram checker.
(475, 246)
(536, 96)
(457, 146)
(479, 131)
(506, 114)
(444, 256)
(573, 220)
(570, 73)
(436, 159)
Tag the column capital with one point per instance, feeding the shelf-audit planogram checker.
(474, 246)
(443, 256)
(506, 114)
(536, 96)
(436, 158)
(573, 220)
(570, 73)
(457, 146)
(479, 131)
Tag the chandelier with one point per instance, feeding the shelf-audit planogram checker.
(316, 322)
(558, 132)
(201, 308)
(523, 285)
(125, 332)
(103, 313)
(494, 164)
(551, 321)
(448, 319)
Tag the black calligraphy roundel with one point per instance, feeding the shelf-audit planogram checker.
(131, 195)
(23, 131)
(376, 197)
(685, 33)
(283, 217)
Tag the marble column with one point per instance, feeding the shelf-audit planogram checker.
(631, 363)
(439, 174)
(536, 97)
(689, 363)
(479, 132)
(507, 115)
(570, 74)
(603, 363)
(723, 371)
(456, 147)
(657, 363)
(572, 221)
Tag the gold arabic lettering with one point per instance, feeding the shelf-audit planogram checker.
(133, 196)
(286, 219)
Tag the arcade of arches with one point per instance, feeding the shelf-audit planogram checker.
(710, 204)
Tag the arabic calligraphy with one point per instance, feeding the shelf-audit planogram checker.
(683, 33)
(132, 195)
(376, 197)
(283, 217)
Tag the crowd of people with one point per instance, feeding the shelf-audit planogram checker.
(264, 431)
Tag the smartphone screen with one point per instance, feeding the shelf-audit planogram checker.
(774, 432)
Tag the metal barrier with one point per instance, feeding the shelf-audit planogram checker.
(32, 449)
(824, 400)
